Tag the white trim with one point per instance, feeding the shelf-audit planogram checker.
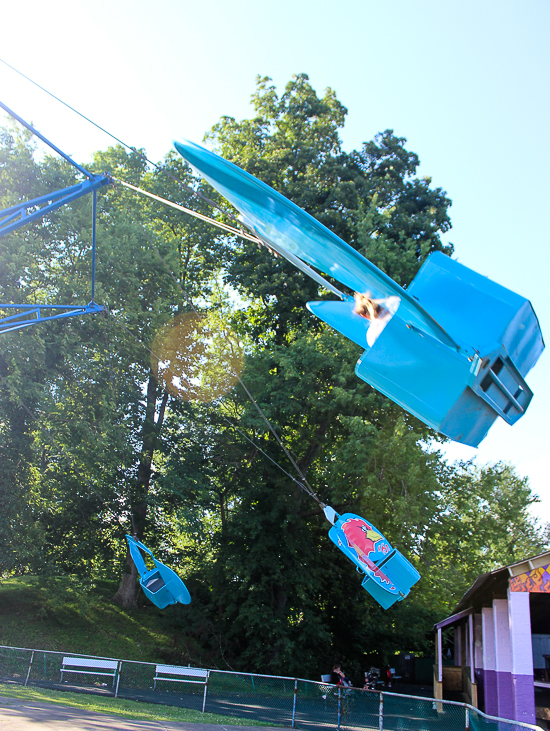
(471, 647)
(488, 638)
(501, 627)
(439, 655)
(521, 644)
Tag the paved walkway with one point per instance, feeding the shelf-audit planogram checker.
(17, 714)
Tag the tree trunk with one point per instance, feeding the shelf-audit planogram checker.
(126, 594)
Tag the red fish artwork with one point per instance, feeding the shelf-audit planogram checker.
(388, 575)
(365, 539)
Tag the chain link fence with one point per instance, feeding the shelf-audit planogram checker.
(278, 701)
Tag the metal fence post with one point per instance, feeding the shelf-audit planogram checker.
(118, 672)
(312, 705)
(205, 692)
(294, 703)
(29, 670)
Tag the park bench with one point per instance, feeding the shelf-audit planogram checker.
(178, 674)
(86, 666)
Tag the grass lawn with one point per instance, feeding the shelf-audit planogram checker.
(121, 707)
(35, 615)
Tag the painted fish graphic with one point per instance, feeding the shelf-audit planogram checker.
(388, 575)
(366, 540)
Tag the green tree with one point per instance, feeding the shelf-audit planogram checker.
(108, 444)
(24, 361)
(484, 522)
(280, 591)
(282, 596)
(96, 406)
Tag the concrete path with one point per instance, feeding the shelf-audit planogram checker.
(22, 715)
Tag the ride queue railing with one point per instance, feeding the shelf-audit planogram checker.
(276, 700)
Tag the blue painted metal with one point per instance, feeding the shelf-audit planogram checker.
(94, 218)
(456, 351)
(389, 576)
(277, 220)
(15, 216)
(161, 585)
(33, 314)
(45, 140)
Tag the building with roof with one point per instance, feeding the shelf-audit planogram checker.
(501, 633)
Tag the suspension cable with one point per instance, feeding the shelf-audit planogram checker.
(200, 216)
(135, 150)
(104, 314)
(271, 246)
(303, 483)
(300, 483)
(307, 487)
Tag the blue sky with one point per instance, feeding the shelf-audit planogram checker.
(466, 83)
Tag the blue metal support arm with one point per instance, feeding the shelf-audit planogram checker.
(16, 216)
(23, 213)
(44, 139)
(33, 314)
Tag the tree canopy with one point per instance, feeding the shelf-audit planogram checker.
(100, 434)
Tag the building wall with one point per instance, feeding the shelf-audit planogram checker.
(503, 659)
(521, 657)
(507, 657)
(503, 647)
(489, 665)
(457, 655)
(478, 659)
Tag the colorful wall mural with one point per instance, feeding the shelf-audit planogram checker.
(536, 581)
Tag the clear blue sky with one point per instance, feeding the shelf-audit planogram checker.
(466, 83)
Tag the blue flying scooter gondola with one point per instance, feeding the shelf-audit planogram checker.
(454, 351)
(161, 585)
(389, 576)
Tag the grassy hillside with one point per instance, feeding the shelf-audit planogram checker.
(59, 615)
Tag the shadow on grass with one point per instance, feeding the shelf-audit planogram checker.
(121, 707)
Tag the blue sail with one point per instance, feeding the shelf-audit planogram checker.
(277, 220)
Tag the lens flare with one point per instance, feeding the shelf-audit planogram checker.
(197, 357)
